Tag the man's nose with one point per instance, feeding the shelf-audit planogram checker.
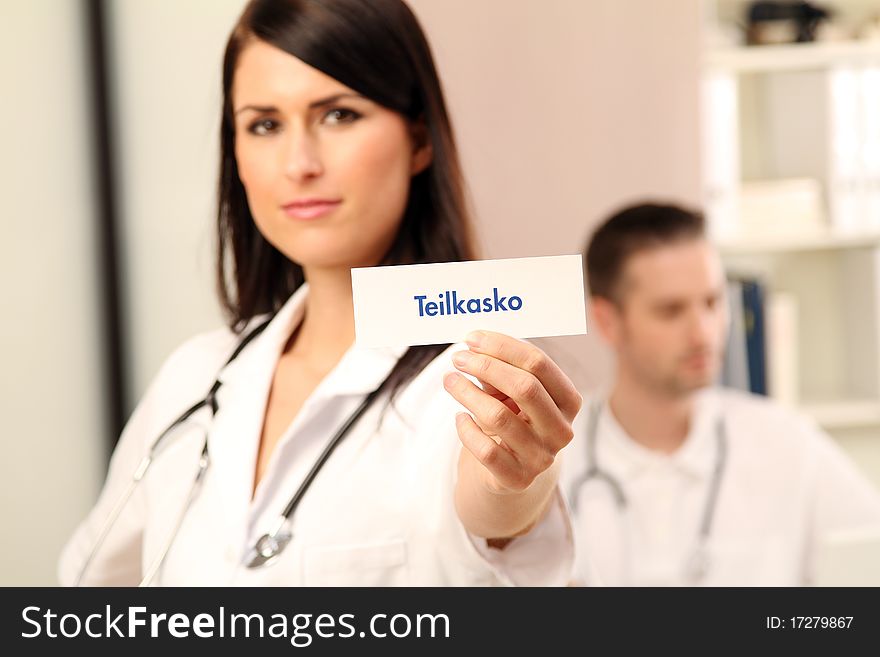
(703, 326)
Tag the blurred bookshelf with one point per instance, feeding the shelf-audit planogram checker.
(845, 414)
(791, 167)
(792, 57)
(822, 241)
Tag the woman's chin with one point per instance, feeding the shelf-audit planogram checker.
(334, 254)
(332, 260)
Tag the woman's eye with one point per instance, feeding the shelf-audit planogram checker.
(340, 115)
(262, 127)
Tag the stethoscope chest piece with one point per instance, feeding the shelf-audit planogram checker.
(267, 549)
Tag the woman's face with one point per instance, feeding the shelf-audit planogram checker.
(326, 170)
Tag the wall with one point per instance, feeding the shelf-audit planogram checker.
(53, 434)
(550, 105)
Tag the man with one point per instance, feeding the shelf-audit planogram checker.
(672, 480)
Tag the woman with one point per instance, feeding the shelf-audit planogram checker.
(337, 152)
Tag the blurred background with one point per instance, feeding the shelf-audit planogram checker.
(765, 115)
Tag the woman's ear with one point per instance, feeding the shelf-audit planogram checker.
(423, 149)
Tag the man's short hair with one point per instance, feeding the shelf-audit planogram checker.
(633, 229)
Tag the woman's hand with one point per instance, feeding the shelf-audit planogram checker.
(519, 421)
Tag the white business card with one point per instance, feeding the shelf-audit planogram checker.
(407, 305)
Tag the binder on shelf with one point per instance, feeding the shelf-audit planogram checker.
(782, 348)
(870, 92)
(753, 313)
(735, 371)
(844, 179)
(745, 360)
(720, 142)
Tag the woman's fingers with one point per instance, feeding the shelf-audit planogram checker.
(525, 389)
(504, 398)
(501, 464)
(530, 358)
(496, 419)
(521, 417)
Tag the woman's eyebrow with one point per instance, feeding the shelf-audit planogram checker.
(332, 99)
(318, 103)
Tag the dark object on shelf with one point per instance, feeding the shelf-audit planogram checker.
(756, 346)
(784, 22)
(745, 359)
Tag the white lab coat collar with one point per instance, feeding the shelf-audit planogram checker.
(242, 399)
(359, 371)
(696, 455)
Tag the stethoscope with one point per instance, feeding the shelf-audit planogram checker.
(698, 562)
(269, 546)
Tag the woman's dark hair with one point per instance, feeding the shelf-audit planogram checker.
(377, 48)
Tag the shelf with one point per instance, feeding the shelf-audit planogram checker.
(794, 243)
(793, 57)
(844, 414)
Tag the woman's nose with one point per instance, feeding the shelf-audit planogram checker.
(302, 157)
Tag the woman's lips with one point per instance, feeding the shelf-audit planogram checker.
(311, 208)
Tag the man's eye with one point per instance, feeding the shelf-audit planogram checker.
(669, 312)
(340, 115)
(262, 127)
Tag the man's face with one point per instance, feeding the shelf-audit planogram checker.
(669, 325)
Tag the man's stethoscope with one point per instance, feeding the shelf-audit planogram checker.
(267, 548)
(697, 565)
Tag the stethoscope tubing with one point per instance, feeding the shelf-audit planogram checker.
(697, 565)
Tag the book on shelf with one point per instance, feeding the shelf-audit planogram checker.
(781, 331)
(753, 314)
(735, 371)
(720, 145)
(785, 207)
(870, 89)
(855, 184)
(844, 175)
(762, 345)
